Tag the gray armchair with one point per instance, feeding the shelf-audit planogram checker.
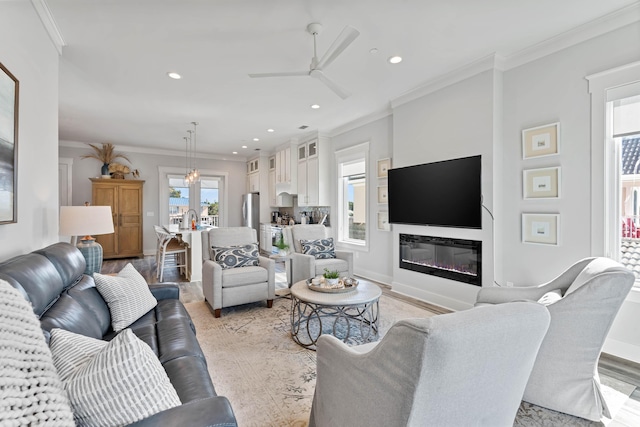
(583, 302)
(307, 266)
(227, 287)
(467, 368)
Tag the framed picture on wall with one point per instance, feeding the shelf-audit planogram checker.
(383, 221)
(9, 91)
(383, 167)
(541, 141)
(541, 229)
(541, 183)
(383, 196)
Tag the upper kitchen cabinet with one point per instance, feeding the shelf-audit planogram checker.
(253, 175)
(313, 172)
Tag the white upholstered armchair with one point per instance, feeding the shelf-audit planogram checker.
(305, 266)
(467, 368)
(234, 279)
(583, 302)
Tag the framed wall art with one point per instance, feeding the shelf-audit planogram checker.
(383, 167)
(9, 94)
(383, 221)
(383, 196)
(541, 183)
(541, 229)
(541, 141)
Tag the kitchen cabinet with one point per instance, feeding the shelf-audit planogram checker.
(253, 176)
(283, 166)
(313, 173)
(125, 198)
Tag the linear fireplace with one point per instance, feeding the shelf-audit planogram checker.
(454, 259)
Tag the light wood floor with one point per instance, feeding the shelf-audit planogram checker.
(611, 366)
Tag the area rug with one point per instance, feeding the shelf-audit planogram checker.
(270, 380)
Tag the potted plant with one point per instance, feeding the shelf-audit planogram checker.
(282, 246)
(106, 155)
(331, 277)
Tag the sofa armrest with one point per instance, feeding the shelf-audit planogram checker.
(165, 291)
(212, 283)
(348, 257)
(499, 295)
(270, 265)
(212, 411)
(303, 267)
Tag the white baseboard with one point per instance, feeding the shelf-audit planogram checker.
(430, 297)
(380, 278)
(622, 349)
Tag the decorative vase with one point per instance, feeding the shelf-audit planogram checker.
(105, 169)
(331, 282)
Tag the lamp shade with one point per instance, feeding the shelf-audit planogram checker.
(85, 220)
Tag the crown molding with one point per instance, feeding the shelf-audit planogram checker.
(489, 62)
(156, 151)
(618, 19)
(359, 122)
(46, 17)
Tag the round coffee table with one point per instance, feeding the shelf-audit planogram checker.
(349, 316)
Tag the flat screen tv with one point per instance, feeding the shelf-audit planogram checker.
(445, 194)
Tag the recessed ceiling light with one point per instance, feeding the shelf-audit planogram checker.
(270, 130)
(315, 106)
(235, 152)
(244, 146)
(395, 59)
(174, 75)
(256, 139)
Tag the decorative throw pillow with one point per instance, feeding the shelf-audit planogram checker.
(127, 295)
(551, 297)
(72, 351)
(31, 392)
(122, 384)
(320, 249)
(236, 256)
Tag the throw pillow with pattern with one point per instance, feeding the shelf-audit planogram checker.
(127, 295)
(320, 249)
(122, 384)
(236, 256)
(72, 351)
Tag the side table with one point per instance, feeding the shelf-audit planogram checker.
(286, 259)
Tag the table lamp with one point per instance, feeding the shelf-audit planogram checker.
(85, 221)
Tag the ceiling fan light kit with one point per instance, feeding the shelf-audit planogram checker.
(346, 37)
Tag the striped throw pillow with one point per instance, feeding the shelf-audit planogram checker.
(72, 351)
(127, 295)
(122, 384)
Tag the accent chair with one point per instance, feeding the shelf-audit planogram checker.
(308, 265)
(583, 302)
(467, 368)
(233, 272)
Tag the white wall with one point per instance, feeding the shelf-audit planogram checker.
(455, 121)
(27, 51)
(148, 164)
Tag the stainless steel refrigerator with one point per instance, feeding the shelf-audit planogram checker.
(251, 212)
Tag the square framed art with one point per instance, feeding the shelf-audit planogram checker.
(541, 183)
(383, 167)
(383, 196)
(541, 141)
(383, 221)
(541, 229)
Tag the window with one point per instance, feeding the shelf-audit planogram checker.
(206, 197)
(352, 212)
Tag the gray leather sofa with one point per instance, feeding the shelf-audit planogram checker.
(52, 280)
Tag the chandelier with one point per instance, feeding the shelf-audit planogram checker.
(191, 170)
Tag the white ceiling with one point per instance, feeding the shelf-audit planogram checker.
(114, 87)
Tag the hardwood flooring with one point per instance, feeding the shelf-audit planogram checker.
(611, 366)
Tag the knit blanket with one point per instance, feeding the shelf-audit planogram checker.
(31, 392)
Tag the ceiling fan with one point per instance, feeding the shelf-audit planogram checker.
(346, 37)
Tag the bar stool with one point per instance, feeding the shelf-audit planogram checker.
(168, 244)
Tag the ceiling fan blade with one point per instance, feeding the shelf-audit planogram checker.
(342, 93)
(346, 37)
(284, 74)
